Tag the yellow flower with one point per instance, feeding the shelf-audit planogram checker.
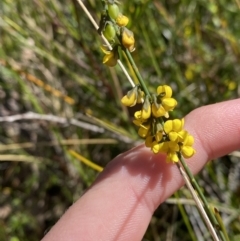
(138, 116)
(122, 20)
(144, 124)
(158, 111)
(143, 131)
(173, 128)
(172, 157)
(131, 98)
(158, 136)
(128, 39)
(168, 147)
(111, 56)
(139, 121)
(187, 141)
(146, 109)
(163, 102)
(153, 140)
(149, 141)
(140, 96)
(165, 91)
(144, 114)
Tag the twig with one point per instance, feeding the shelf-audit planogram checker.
(51, 118)
(19, 158)
(198, 203)
(69, 142)
(105, 41)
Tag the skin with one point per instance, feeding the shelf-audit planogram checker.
(120, 203)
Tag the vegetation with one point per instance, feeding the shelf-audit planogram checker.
(62, 99)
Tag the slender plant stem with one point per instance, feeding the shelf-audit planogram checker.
(129, 56)
(221, 224)
(200, 193)
(105, 41)
(198, 203)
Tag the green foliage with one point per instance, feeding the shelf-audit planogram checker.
(192, 46)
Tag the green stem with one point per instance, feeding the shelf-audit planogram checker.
(185, 218)
(201, 195)
(135, 69)
(221, 224)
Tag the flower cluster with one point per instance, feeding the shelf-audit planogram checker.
(161, 135)
(113, 23)
(166, 137)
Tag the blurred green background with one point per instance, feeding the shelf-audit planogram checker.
(51, 68)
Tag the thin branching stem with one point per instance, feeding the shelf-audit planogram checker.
(105, 41)
(140, 79)
(198, 202)
(200, 193)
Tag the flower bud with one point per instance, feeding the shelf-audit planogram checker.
(143, 131)
(140, 96)
(111, 56)
(109, 32)
(128, 39)
(113, 11)
(131, 98)
(146, 109)
(110, 59)
(158, 111)
(122, 20)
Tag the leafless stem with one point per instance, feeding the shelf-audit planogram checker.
(198, 203)
(105, 41)
(51, 118)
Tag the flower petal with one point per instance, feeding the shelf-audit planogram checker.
(122, 20)
(169, 103)
(168, 126)
(158, 112)
(159, 136)
(172, 156)
(173, 136)
(143, 131)
(187, 151)
(149, 141)
(178, 125)
(166, 90)
(146, 109)
(128, 39)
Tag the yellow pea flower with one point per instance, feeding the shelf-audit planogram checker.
(159, 136)
(158, 111)
(169, 103)
(149, 141)
(175, 125)
(163, 103)
(128, 39)
(140, 96)
(111, 56)
(174, 129)
(143, 131)
(131, 98)
(122, 20)
(172, 157)
(156, 147)
(187, 151)
(146, 109)
(165, 91)
(160, 147)
(138, 115)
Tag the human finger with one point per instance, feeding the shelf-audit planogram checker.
(120, 203)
